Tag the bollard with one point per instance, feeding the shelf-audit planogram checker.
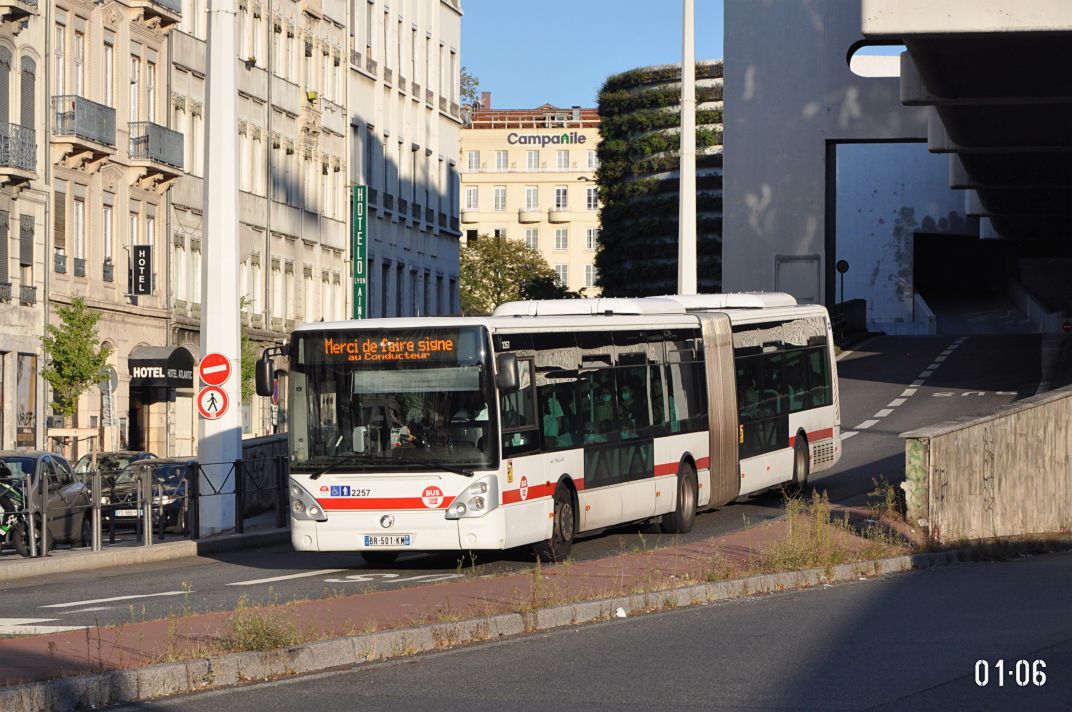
(281, 492)
(239, 498)
(96, 539)
(28, 503)
(193, 493)
(146, 506)
(163, 522)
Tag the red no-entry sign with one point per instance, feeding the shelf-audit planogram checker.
(215, 369)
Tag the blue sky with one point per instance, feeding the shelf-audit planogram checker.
(560, 51)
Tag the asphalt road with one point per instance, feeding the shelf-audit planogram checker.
(972, 377)
(906, 642)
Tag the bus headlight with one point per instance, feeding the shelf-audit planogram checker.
(476, 500)
(304, 506)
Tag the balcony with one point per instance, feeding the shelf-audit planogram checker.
(526, 215)
(388, 202)
(388, 75)
(59, 263)
(79, 267)
(108, 271)
(158, 14)
(403, 208)
(313, 7)
(155, 154)
(286, 95)
(370, 65)
(83, 132)
(429, 96)
(18, 153)
(429, 216)
(416, 207)
(470, 216)
(27, 295)
(334, 118)
(5, 291)
(15, 11)
(558, 215)
(310, 118)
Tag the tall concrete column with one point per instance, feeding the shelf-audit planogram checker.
(220, 440)
(686, 245)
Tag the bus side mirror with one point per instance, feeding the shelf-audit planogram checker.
(507, 377)
(264, 376)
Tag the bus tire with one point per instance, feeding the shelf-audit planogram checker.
(563, 527)
(379, 559)
(680, 521)
(801, 463)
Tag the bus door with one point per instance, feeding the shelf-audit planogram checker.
(722, 411)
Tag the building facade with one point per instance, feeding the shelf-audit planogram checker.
(405, 116)
(529, 175)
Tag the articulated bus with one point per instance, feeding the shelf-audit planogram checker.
(550, 419)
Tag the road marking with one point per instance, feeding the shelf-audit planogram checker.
(883, 413)
(897, 402)
(928, 373)
(909, 392)
(115, 598)
(28, 626)
(851, 433)
(394, 578)
(939, 359)
(87, 610)
(916, 383)
(866, 424)
(304, 574)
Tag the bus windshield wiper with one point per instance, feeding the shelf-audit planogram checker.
(433, 463)
(338, 461)
(341, 460)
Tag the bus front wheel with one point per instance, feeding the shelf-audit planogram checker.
(680, 521)
(563, 523)
(801, 464)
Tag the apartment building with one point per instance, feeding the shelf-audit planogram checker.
(529, 175)
(405, 117)
(24, 198)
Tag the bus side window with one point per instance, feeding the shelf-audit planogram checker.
(796, 381)
(748, 388)
(818, 376)
(518, 412)
(773, 387)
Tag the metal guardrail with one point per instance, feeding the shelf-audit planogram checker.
(153, 142)
(78, 116)
(18, 147)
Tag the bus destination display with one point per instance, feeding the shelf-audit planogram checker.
(385, 348)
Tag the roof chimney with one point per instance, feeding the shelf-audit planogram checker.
(485, 100)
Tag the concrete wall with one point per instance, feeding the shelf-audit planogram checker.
(788, 92)
(1004, 474)
(885, 193)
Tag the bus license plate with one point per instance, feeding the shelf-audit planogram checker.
(387, 540)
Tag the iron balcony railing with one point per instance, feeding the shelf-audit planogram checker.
(5, 291)
(27, 294)
(18, 147)
(174, 6)
(78, 116)
(153, 142)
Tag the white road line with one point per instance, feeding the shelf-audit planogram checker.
(939, 359)
(865, 425)
(916, 383)
(849, 434)
(897, 402)
(115, 598)
(87, 610)
(883, 413)
(927, 374)
(908, 392)
(304, 574)
(28, 626)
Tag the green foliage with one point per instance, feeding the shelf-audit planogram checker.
(659, 75)
(76, 358)
(470, 88)
(497, 270)
(249, 351)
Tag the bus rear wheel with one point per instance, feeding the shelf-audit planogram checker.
(680, 521)
(379, 559)
(801, 464)
(563, 525)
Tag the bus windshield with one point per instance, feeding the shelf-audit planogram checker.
(392, 399)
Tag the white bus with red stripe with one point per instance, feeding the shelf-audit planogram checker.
(551, 419)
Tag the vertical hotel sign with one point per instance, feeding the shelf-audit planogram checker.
(359, 250)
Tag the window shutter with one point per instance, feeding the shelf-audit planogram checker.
(4, 278)
(26, 240)
(59, 207)
(29, 70)
(5, 84)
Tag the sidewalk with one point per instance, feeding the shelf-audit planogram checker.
(139, 644)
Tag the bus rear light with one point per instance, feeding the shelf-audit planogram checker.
(476, 500)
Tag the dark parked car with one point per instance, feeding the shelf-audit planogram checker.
(110, 463)
(68, 500)
(168, 484)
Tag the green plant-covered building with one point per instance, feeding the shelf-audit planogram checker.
(638, 180)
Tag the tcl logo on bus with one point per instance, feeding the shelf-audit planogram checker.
(432, 497)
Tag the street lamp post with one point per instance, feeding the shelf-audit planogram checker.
(686, 241)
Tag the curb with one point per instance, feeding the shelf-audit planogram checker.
(127, 556)
(121, 686)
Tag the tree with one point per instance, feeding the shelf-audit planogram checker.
(497, 270)
(249, 351)
(470, 88)
(75, 357)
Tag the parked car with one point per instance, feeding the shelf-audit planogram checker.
(67, 511)
(168, 482)
(110, 463)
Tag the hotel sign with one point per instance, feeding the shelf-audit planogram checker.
(142, 281)
(359, 250)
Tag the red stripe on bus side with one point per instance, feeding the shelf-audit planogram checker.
(513, 496)
(823, 434)
(350, 503)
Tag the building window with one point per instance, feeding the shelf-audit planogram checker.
(79, 229)
(501, 161)
(473, 160)
(150, 92)
(561, 239)
(532, 197)
(562, 160)
(499, 233)
(593, 160)
(79, 63)
(590, 275)
(109, 74)
(532, 238)
(532, 160)
(500, 198)
(562, 274)
(107, 231)
(61, 68)
(592, 199)
(591, 238)
(561, 197)
(135, 83)
(472, 194)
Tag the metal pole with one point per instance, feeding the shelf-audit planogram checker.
(220, 439)
(193, 504)
(28, 501)
(686, 241)
(96, 509)
(146, 494)
(281, 492)
(240, 498)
